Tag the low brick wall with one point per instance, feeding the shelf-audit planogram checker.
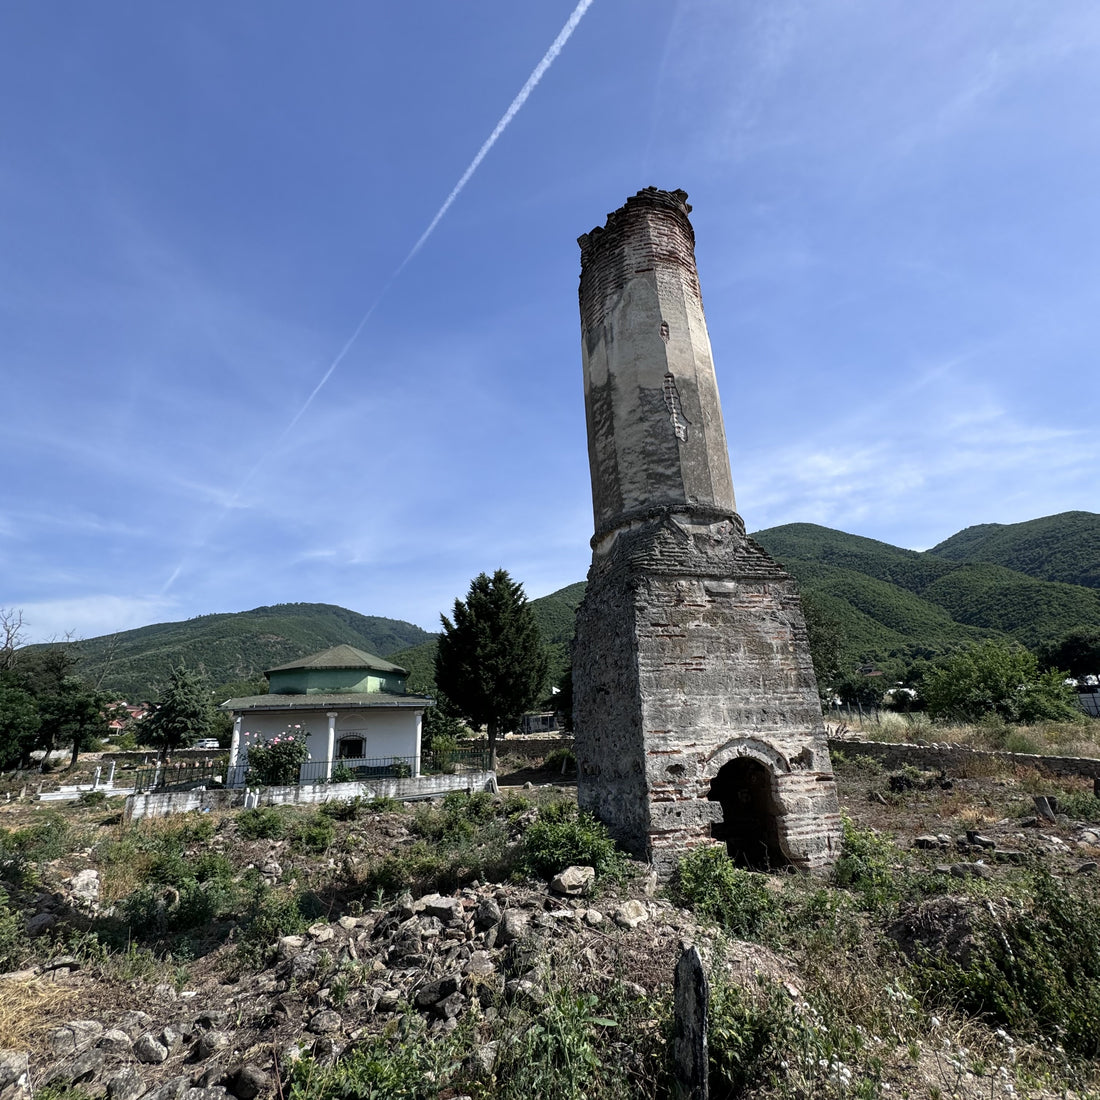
(163, 803)
(955, 757)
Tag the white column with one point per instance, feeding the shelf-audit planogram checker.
(235, 741)
(419, 731)
(111, 775)
(331, 716)
(234, 751)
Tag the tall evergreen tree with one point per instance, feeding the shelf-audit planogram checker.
(182, 714)
(491, 662)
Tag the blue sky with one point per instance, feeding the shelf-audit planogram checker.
(897, 211)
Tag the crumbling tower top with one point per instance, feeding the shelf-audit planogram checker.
(656, 442)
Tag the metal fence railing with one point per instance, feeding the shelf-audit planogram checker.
(345, 770)
(363, 769)
(175, 776)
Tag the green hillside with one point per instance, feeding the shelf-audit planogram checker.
(1065, 547)
(1032, 611)
(233, 648)
(890, 601)
(1034, 582)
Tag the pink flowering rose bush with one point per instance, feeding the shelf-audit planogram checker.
(278, 761)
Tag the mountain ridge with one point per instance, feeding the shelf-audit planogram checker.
(890, 602)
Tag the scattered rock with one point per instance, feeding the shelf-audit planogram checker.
(84, 887)
(971, 870)
(210, 1042)
(172, 1089)
(134, 1023)
(73, 1036)
(631, 913)
(573, 881)
(249, 1081)
(148, 1049)
(15, 1076)
(290, 946)
(442, 908)
(325, 1022)
(127, 1084)
(114, 1041)
(39, 923)
(434, 992)
(486, 915)
(78, 1069)
(513, 926)
(62, 962)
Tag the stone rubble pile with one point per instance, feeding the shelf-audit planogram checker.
(482, 950)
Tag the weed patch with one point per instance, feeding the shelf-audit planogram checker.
(707, 882)
(262, 823)
(563, 836)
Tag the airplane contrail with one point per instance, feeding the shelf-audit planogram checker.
(513, 109)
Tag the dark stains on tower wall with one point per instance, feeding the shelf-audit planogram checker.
(696, 710)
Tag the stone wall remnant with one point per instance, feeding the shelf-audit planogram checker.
(696, 709)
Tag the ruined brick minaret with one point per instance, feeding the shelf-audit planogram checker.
(696, 710)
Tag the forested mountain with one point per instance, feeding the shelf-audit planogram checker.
(1034, 582)
(233, 648)
(899, 603)
(1063, 548)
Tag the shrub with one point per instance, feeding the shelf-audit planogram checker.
(342, 809)
(707, 881)
(341, 773)
(13, 943)
(458, 818)
(559, 1055)
(562, 836)
(92, 798)
(271, 914)
(316, 834)
(262, 823)
(1081, 805)
(867, 866)
(444, 747)
(998, 678)
(561, 760)
(383, 804)
(278, 761)
(1035, 968)
(384, 1067)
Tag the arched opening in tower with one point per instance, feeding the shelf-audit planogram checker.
(749, 825)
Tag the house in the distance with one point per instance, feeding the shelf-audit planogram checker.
(352, 706)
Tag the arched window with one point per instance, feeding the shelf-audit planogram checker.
(349, 748)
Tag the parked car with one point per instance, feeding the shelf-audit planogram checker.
(206, 743)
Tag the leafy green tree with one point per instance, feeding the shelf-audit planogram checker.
(19, 722)
(491, 662)
(997, 678)
(76, 716)
(70, 712)
(181, 715)
(1078, 652)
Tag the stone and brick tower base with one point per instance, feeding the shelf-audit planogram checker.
(696, 709)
